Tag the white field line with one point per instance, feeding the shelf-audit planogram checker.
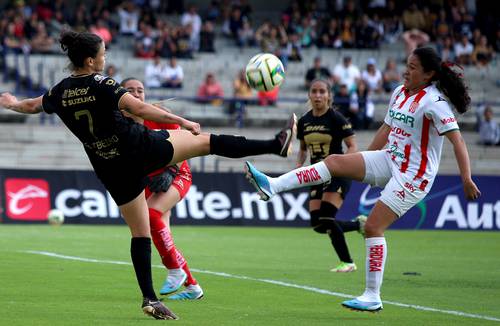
(263, 280)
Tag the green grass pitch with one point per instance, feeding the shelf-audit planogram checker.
(457, 272)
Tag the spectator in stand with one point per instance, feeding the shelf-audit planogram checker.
(235, 22)
(463, 50)
(13, 42)
(166, 46)
(483, 53)
(112, 72)
(172, 74)
(347, 34)
(345, 104)
(207, 37)
(414, 39)
(489, 130)
(347, 74)
(191, 18)
(372, 76)
(129, 18)
(243, 94)
(101, 29)
(153, 73)
(41, 42)
(145, 43)
(361, 101)
(268, 97)
(330, 35)
(366, 36)
(413, 18)
(317, 72)
(446, 50)
(392, 77)
(246, 35)
(306, 32)
(293, 49)
(210, 91)
(270, 37)
(442, 26)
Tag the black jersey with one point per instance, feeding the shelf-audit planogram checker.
(88, 106)
(122, 152)
(323, 135)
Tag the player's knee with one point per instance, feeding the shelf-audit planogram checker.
(372, 229)
(332, 161)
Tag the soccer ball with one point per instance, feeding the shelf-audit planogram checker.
(55, 217)
(264, 72)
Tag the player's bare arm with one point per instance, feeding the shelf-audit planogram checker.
(29, 105)
(380, 138)
(352, 146)
(130, 104)
(462, 156)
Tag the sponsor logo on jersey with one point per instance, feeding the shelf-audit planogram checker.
(376, 258)
(75, 92)
(315, 128)
(440, 99)
(400, 194)
(400, 131)
(307, 176)
(410, 187)
(445, 121)
(347, 126)
(27, 199)
(99, 78)
(406, 119)
(393, 149)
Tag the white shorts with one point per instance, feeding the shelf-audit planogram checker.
(400, 193)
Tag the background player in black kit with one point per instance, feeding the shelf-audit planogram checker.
(321, 132)
(123, 152)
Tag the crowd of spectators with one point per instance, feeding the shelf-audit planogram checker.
(159, 30)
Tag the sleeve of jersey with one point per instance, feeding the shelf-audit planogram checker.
(345, 126)
(112, 90)
(300, 129)
(47, 101)
(387, 118)
(441, 114)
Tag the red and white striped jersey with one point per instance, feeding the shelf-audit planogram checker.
(417, 123)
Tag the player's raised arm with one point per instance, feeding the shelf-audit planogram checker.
(28, 106)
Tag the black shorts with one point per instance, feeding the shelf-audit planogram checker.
(340, 185)
(125, 177)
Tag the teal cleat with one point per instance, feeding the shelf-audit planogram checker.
(358, 305)
(260, 181)
(192, 292)
(173, 282)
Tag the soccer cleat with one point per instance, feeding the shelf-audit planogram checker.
(359, 305)
(344, 268)
(192, 292)
(173, 282)
(362, 221)
(259, 180)
(157, 310)
(286, 136)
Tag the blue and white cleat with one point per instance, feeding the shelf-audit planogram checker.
(174, 281)
(358, 305)
(260, 181)
(192, 292)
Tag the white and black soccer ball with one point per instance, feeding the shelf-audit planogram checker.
(264, 72)
(55, 217)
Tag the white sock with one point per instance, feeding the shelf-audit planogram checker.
(176, 273)
(376, 253)
(302, 177)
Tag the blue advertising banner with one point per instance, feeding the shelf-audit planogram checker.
(228, 199)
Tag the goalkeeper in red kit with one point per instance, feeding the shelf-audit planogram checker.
(167, 187)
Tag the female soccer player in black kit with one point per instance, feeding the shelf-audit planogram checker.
(321, 131)
(123, 152)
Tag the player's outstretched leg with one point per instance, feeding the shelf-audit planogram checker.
(157, 310)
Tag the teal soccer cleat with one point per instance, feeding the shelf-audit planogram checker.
(173, 282)
(358, 305)
(192, 292)
(259, 180)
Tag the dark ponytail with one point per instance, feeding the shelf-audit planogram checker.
(79, 46)
(448, 81)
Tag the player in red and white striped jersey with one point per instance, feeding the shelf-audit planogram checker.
(403, 158)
